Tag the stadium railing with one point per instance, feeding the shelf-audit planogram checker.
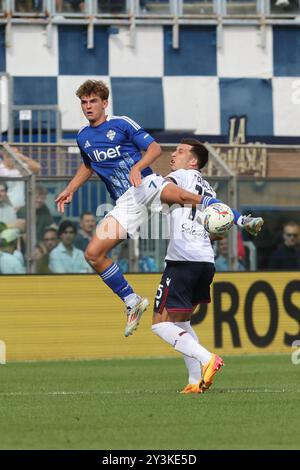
(133, 13)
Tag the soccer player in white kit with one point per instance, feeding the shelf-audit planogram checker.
(190, 268)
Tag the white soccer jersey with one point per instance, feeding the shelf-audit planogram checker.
(189, 241)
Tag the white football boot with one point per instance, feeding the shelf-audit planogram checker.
(134, 315)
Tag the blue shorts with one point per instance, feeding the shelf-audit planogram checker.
(184, 284)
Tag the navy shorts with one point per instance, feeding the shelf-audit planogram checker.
(184, 285)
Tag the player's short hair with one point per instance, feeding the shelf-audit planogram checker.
(199, 150)
(96, 87)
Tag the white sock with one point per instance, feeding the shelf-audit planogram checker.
(193, 366)
(181, 340)
(131, 300)
(186, 325)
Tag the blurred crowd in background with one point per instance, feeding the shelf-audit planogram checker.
(60, 243)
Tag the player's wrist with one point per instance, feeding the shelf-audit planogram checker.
(208, 201)
(239, 219)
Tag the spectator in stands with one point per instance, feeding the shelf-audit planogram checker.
(70, 5)
(42, 250)
(282, 3)
(65, 258)
(284, 6)
(147, 264)
(43, 214)
(221, 262)
(41, 258)
(86, 231)
(112, 6)
(287, 255)
(50, 238)
(28, 6)
(16, 189)
(120, 255)
(11, 260)
(7, 212)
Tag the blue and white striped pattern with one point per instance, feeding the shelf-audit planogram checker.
(195, 88)
(109, 272)
(130, 121)
(208, 200)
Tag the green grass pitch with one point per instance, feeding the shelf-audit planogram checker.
(135, 404)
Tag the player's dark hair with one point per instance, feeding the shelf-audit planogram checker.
(96, 87)
(64, 225)
(199, 150)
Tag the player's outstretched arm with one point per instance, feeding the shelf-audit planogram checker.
(152, 153)
(173, 194)
(65, 197)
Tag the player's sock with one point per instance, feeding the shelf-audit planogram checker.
(193, 366)
(194, 369)
(131, 300)
(113, 278)
(186, 325)
(180, 339)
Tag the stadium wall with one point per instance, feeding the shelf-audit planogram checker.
(196, 87)
(76, 317)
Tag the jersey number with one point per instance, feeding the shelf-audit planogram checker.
(199, 190)
(159, 292)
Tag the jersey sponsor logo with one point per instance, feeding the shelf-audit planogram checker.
(111, 135)
(102, 155)
(87, 144)
(198, 231)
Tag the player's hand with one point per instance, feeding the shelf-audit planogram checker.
(135, 177)
(253, 225)
(64, 198)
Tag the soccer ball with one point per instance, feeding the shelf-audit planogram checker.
(217, 219)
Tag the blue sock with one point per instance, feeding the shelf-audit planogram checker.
(113, 278)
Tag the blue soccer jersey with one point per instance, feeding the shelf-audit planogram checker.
(112, 148)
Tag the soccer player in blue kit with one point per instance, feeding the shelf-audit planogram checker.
(111, 147)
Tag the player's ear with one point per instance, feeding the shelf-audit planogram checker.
(104, 104)
(194, 163)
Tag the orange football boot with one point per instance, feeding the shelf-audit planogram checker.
(192, 388)
(209, 370)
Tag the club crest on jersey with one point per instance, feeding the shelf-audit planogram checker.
(111, 134)
(87, 144)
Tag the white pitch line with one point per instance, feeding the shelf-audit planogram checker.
(135, 392)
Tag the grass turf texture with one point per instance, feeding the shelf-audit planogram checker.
(135, 404)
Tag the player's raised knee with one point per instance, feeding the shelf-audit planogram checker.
(91, 256)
